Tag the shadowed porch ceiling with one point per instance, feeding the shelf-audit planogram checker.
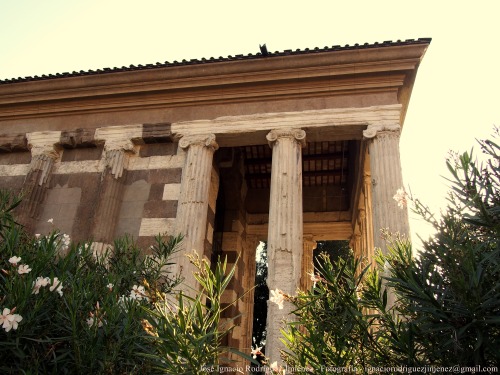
(325, 173)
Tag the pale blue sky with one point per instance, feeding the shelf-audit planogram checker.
(455, 98)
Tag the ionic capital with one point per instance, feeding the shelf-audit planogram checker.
(118, 144)
(44, 144)
(373, 131)
(205, 140)
(298, 135)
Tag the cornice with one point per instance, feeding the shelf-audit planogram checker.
(282, 77)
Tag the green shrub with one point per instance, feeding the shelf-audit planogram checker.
(447, 308)
(66, 310)
(78, 314)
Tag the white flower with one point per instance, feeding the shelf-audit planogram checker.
(255, 352)
(138, 293)
(51, 221)
(8, 320)
(40, 282)
(315, 278)
(401, 197)
(110, 286)
(57, 286)
(64, 242)
(37, 235)
(278, 298)
(96, 317)
(274, 367)
(90, 322)
(14, 260)
(23, 268)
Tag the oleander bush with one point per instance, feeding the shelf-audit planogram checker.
(66, 310)
(447, 306)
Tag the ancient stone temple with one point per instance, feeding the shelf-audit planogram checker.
(288, 147)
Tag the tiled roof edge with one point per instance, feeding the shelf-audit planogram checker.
(219, 59)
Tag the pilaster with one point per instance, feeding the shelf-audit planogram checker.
(309, 244)
(386, 179)
(285, 245)
(191, 220)
(355, 242)
(118, 147)
(45, 152)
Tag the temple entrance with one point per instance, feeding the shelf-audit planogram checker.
(240, 221)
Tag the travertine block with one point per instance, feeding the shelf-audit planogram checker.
(155, 226)
(171, 191)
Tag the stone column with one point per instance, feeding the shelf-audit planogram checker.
(118, 146)
(250, 246)
(368, 232)
(192, 208)
(285, 228)
(307, 262)
(45, 152)
(386, 179)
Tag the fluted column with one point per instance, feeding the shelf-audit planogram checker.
(192, 209)
(118, 146)
(285, 228)
(368, 232)
(355, 242)
(386, 178)
(45, 152)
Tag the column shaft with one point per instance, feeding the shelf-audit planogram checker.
(191, 221)
(285, 228)
(385, 165)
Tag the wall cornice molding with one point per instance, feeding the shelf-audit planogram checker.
(293, 76)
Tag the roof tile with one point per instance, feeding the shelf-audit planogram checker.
(204, 60)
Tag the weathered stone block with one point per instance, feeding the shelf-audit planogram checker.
(136, 191)
(68, 211)
(81, 154)
(154, 209)
(153, 133)
(166, 176)
(155, 226)
(128, 226)
(12, 183)
(136, 175)
(9, 158)
(156, 192)
(131, 209)
(158, 149)
(77, 138)
(171, 191)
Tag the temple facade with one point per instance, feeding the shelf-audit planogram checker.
(289, 147)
